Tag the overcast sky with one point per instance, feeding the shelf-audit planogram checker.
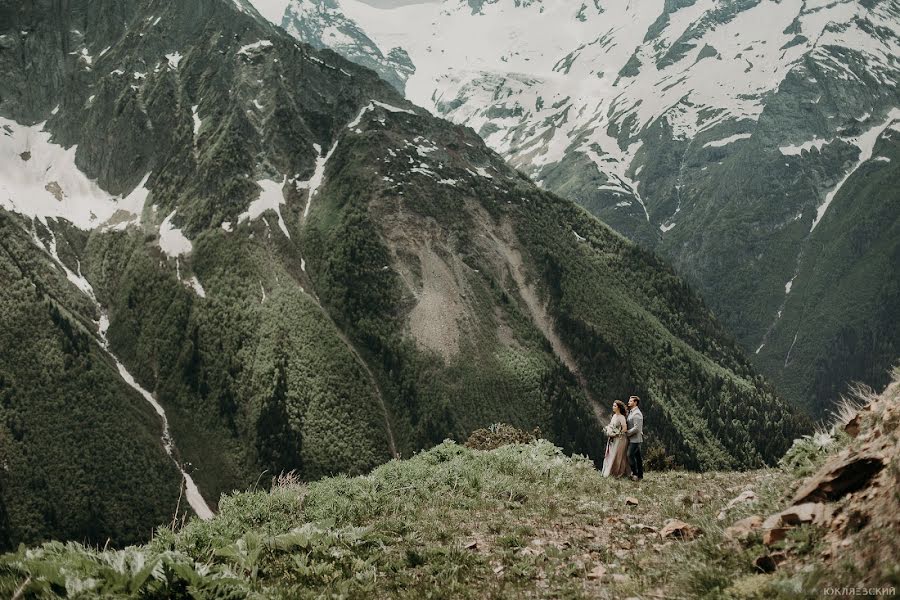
(391, 3)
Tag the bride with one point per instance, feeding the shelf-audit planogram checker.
(615, 461)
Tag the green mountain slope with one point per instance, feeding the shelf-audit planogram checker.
(311, 275)
(80, 451)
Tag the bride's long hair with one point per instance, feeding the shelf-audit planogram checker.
(623, 410)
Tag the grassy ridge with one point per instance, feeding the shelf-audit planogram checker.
(519, 521)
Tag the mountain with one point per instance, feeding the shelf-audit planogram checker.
(751, 142)
(231, 255)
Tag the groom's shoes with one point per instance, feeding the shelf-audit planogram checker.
(636, 478)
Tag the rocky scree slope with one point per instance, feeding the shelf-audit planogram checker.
(312, 275)
(838, 529)
(753, 143)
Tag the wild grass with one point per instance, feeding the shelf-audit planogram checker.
(519, 521)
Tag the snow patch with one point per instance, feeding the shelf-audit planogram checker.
(39, 179)
(76, 279)
(171, 239)
(194, 497)
(728, 140)
(271, 197)
(816, 143)
(272, 10)
(866, 143)
(319, 174)
(174, 59)
(249, 48)
(197, 121)
(371, 106)
(194, 284)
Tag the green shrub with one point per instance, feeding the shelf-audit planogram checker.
(657, 459)
(500, 434)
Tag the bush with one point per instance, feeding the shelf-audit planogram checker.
(500, 434)
(656, 458)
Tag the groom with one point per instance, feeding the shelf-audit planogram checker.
(635, 435)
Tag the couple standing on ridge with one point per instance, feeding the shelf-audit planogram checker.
(623, 448)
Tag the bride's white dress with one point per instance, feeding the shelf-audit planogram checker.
(615, 461)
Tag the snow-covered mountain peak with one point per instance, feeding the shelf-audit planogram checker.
(543, 79)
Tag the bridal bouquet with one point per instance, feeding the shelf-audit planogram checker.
(613, 431)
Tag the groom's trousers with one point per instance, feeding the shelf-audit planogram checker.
(635, 460)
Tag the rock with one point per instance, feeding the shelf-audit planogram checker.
(765, 564)
(473, 545)
(808, 512)
(852, 426)
(839, 522)
(774, 535)
(597, 572)
(745, 496)
(631, 501)
(679, 529)
(769, 562)
(742, 529)
(772, 521)
(839, 478)
(643, 528)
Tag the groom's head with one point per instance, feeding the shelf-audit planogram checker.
(633, 402)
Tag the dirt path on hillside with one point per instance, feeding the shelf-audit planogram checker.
(312, 187)
(392, 444)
